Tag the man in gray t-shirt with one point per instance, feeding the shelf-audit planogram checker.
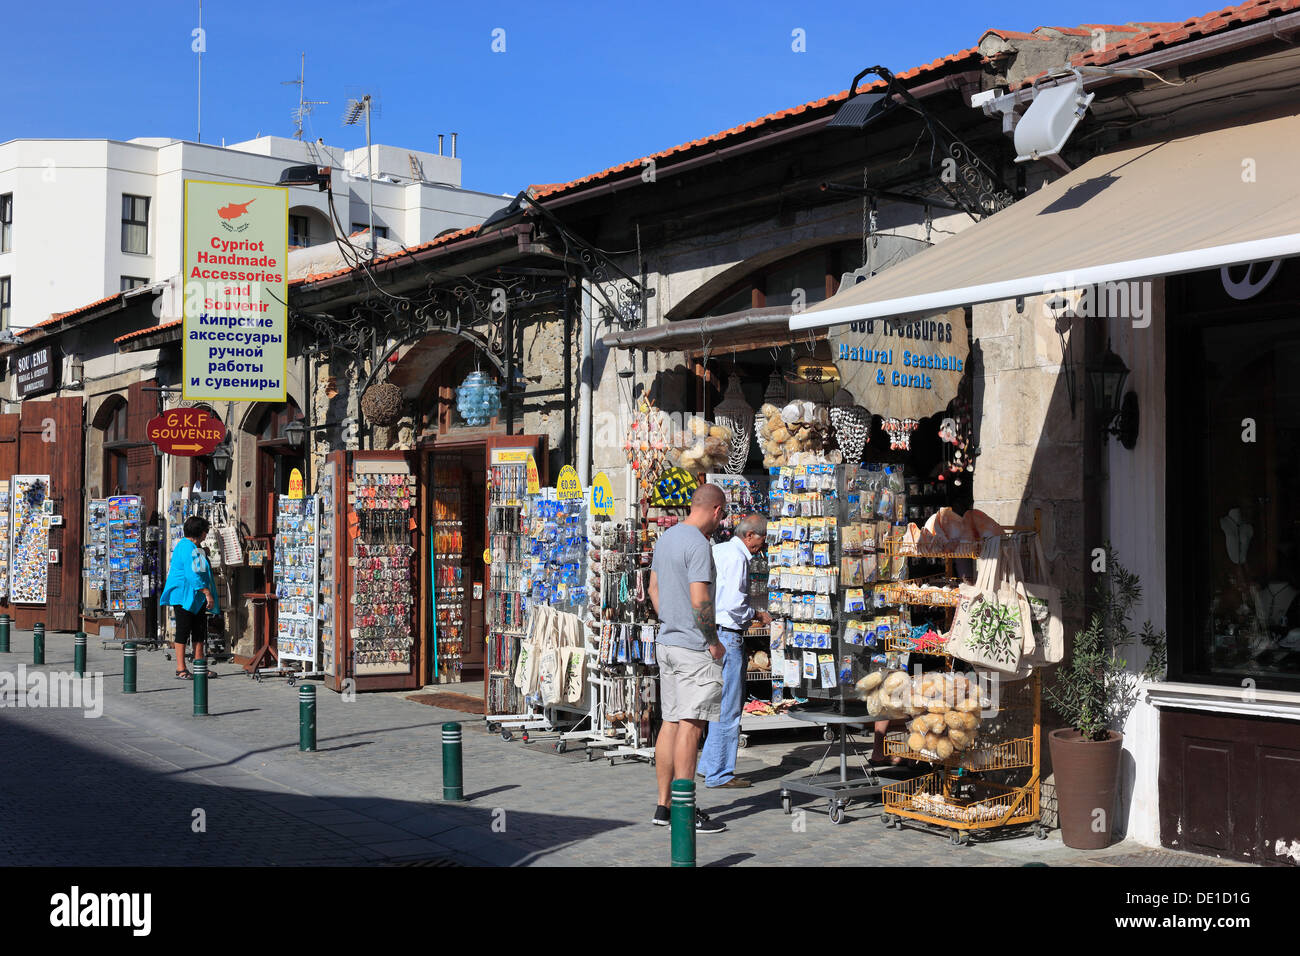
(687, 648)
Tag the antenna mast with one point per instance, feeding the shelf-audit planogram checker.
(202, 43)
(305, 106)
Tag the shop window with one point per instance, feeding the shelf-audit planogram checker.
(135, 224)
(4, 301)
(133, 282)
(6, 221)
(381, 232)
(299, 231)
(1241, 513)
(774, 284)
(116, 447)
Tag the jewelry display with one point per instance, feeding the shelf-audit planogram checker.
(382, 567)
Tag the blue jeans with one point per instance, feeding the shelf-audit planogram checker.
(718, 759)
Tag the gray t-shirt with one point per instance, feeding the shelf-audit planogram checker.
(682, 555)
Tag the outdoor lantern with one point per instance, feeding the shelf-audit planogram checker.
(478, 399)
(221, 459)
(294, 433)
(1118, 410)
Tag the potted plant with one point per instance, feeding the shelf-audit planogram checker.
(1094, 690)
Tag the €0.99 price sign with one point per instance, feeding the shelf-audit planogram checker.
(567, 486)
(236, 292)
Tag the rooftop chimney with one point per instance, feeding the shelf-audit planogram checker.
(453, 145)
(439, 144)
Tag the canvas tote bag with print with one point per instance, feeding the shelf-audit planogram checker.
(992, 615)
(1044, 607)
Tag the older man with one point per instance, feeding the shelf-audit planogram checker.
(731, 596)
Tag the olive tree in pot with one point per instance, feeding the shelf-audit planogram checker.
(1094, 690)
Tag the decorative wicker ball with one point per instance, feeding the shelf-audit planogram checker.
(382, 404)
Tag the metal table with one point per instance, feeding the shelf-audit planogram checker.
(839, 789)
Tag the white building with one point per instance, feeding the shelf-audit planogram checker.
(85, 219)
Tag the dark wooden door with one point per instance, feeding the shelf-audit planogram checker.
(1230, 786)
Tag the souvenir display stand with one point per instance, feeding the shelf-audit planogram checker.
(958, 795)
(113, 560)
(507, 600)
(371, 613)
(324, 493)
(296, 572)
(29, 553)
(448, 598)
(4, 536)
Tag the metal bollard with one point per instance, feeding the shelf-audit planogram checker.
(200, 672)
(38, 643)
(307, 718)
(79, 654)
(4, 633)
(128, 667)
(682, 815)
(453, 782)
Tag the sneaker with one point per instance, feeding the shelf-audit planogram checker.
(661, 817)
(704, 825)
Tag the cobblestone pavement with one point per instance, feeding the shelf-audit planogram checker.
(133, 786)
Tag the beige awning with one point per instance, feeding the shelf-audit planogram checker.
(1198, 201)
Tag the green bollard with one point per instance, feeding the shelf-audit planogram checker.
(453, 782)
(128, 667)
(38, 643)
(682, 815)
(307, 718)
(79, 654)
(200, 671)
(4, 633)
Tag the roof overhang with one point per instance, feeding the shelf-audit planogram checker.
(1194, 201)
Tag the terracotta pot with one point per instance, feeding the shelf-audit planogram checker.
(1087, 772)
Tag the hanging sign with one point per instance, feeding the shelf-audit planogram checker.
(295, 484)
(186, 432)
(236, 317)
(906, 370)
(534, 483)
(674, 488)
(602, 496)
(36, 372)
(567, 486)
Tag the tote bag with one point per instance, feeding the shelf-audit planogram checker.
(1044, 608)
(992, 615)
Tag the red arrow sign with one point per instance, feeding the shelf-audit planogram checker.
(186, 431)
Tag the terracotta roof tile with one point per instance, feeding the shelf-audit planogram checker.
(1011, 35)
(139, 332)
(439, 241)
(1067, 31)
(60, 316)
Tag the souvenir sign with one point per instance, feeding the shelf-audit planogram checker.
(905, 371)
(186, 432)
(29, 545)
(567, 486)
(602, 496)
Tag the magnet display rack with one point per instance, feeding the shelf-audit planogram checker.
(506, 600)
(447, 553)
(297, 585)
(4, 536)
(29, 553)
(327, 586)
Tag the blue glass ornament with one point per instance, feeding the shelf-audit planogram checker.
(478, 399)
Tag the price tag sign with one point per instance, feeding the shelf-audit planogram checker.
(534, 484)
(602, 496)
(567, 486)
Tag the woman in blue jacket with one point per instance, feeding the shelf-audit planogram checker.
(191, 592)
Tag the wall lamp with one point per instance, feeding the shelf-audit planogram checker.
(1117, 409)
(308, 175)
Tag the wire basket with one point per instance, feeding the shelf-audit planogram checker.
(982, 805)
(1001, 755)
(919, 591)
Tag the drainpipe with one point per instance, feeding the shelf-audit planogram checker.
(584, 388)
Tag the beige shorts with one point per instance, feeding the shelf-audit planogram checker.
(690, 683)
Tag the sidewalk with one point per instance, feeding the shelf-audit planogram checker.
(132, 787)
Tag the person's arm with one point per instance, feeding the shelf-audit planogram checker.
(654, 591)
(705, 614)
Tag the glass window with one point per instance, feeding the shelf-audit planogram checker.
(1246, 502)
(808, 274)
(6, 221)
(133, 282)
(381, 232)
(4, 302)
(135, 224)
(299, 231)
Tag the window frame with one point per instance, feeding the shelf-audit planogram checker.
(136, 282)
(6, 300)
(305, 233)
(6, 222)
(132, 223)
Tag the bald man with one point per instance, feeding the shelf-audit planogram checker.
(687, 647)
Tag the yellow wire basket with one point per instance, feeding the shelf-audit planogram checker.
(1002, 755)
(930, 799)
(919, 591)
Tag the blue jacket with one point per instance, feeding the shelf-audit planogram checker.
(187, 575)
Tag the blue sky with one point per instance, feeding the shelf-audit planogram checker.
(580, 86)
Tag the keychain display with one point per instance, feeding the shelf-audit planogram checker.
(449, 597)
(296, 582)
(29, 562)
(325, 565)
(383, 562)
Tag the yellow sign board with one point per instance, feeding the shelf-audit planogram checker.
(602, 496)
(295, 484)
(510, 456)
(534, 483)
(236, 288)
(567, 486)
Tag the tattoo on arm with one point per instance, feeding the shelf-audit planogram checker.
(706, 621)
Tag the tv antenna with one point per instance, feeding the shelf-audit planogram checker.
(365, 104)
(305, 106)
